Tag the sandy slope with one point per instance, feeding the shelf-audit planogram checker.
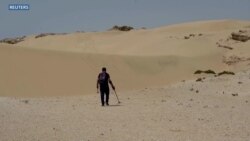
(44, 73)
(68, 64)
(187, 110)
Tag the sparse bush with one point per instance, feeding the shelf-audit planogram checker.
(226, 72)
(199, 80)
(209, 72)
(206, 71)
(198, 72)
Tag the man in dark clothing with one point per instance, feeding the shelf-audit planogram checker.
(102, 81)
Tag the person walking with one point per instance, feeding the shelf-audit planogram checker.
(103, 82)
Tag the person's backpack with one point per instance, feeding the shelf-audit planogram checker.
(103, 78)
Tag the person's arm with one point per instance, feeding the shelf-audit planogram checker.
(112, 85)
(97, 84)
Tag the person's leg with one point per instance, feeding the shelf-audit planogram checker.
(102, 96)
(107, 96)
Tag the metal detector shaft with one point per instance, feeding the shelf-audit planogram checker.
(117, 97)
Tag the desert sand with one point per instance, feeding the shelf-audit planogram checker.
(47, 85)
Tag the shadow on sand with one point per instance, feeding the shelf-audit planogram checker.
(115, 105)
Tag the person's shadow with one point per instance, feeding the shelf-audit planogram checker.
(115, 105)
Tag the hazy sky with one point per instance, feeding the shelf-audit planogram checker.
(99, 15)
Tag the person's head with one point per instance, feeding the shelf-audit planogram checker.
(104, 69)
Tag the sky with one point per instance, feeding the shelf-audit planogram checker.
(99, 15)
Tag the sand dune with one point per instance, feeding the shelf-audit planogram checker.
(68, 64)
(160, 41)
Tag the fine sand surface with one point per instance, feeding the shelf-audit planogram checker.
(27, 72)
(48, 85)
(195, 111)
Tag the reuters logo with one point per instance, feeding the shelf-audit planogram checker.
(19, 7)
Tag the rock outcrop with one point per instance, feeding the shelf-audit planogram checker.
(241, 35)
(12, 40)
(122, 28)
(47, 34)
